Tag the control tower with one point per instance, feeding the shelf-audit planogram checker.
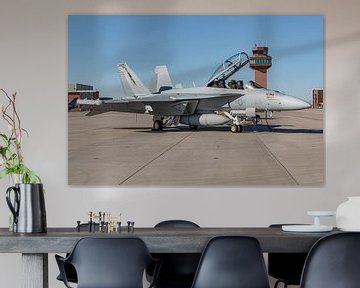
(260, 61)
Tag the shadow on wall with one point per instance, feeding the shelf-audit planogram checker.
(341, 40)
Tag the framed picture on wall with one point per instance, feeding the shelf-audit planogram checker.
(195, 100)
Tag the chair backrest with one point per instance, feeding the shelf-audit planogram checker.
(333, 262)
(286, 266)
(232, 262)
(110, 262)
(178, 269)
(176, 224)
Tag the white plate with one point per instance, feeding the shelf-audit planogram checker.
(321, 213)
(306, 228)
(350, 229)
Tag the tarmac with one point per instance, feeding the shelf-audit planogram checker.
(120, 149)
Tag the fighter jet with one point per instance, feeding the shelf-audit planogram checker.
(217, 103)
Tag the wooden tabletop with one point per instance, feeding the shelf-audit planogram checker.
(158, 240)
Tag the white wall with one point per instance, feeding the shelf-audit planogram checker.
(33, 62)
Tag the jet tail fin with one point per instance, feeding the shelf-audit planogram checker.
(161, 80)
(132, 85)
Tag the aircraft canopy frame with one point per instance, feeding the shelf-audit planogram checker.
(229, 67)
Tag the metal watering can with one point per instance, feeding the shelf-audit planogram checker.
(28, 208)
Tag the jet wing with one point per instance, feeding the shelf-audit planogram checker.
(210, 96)
(167, 97)
(175, 104)
(101, 106)
(169, 103)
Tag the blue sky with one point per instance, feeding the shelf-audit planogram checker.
(193, 46)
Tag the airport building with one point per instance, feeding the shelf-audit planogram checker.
(260, 62)
(73, 87)
(318, 98)
(80, 91)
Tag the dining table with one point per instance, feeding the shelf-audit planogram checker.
(35, 247)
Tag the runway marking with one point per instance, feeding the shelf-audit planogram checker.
(277, 160)
(157, 157)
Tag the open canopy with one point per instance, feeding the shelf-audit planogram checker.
(229, 67)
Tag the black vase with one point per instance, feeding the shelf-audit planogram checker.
(27, 207)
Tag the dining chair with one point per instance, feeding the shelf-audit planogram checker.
(178, 269)
(286, 267)
(70, 271)
(108, 263)
(333, 262)
(232, 262)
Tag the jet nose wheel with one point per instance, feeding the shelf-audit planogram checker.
(236, 128)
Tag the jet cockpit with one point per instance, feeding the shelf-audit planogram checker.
(229, 67)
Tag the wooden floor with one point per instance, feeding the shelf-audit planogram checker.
(120, 149)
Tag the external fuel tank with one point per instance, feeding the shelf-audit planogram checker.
(204, 119)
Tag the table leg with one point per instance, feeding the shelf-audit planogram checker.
(35, 270)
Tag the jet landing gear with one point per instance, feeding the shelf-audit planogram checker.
(160, 122)
(157, 125)
(236, 128)
(237, 122)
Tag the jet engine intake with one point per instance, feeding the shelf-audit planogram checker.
(204, 120)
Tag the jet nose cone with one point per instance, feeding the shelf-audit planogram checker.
(293, 103)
